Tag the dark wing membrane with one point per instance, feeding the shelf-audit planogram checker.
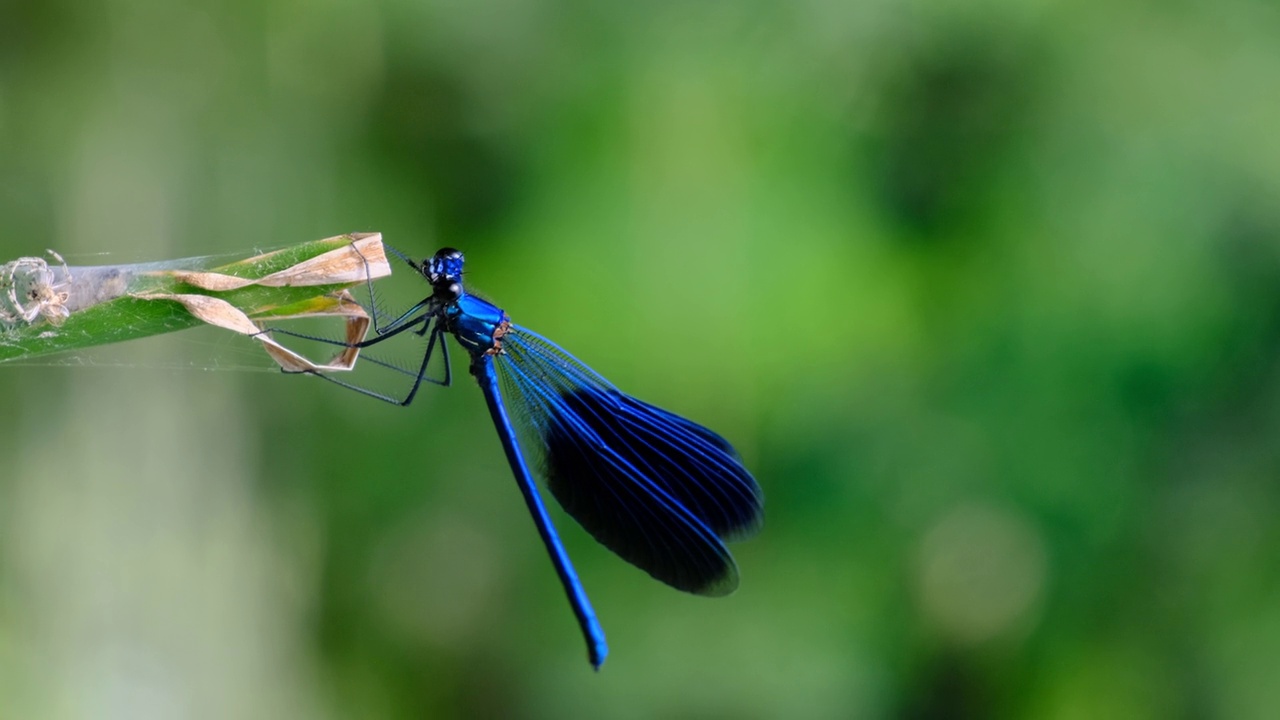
(628, 513)
(658, 490)
(694, 465)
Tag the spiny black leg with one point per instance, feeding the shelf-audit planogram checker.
(423, 319)
(419, 376)
(373, 302)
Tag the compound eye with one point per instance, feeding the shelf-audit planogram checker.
(448, 254)
(446, 264)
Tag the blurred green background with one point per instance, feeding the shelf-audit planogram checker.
(987, 295)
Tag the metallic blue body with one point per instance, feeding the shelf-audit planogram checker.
(478, 325)
(660, 491)
(483, 369)
(473, 321)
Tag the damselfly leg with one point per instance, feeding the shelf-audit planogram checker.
(417, 320)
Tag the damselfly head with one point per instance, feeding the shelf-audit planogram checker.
(444, 272)
(446, 264)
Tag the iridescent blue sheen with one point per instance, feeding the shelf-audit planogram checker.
(662, 492)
